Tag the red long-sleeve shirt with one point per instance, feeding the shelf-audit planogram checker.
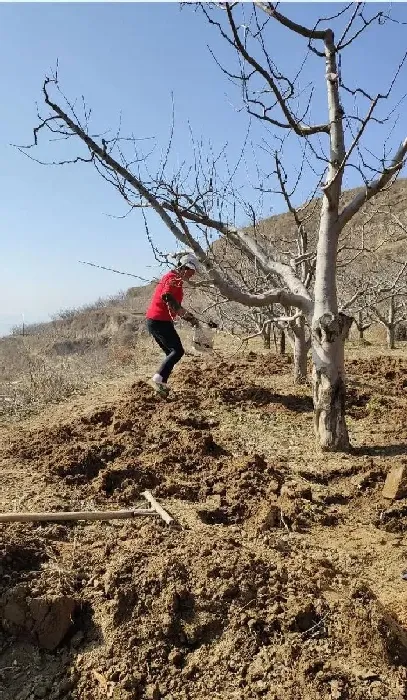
(158, 310)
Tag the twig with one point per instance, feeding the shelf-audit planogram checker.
(111, 269)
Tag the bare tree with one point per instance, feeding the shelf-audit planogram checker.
(373, 275)
(264, 325)
(387, 301)
(363, 322)
(198, 203)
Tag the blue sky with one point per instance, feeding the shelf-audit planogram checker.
(128, 59)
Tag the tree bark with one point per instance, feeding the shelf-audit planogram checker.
(391, 337)
(301, 347)
(328, 343)
(266, 333)
(360, 326)
(281, 346)
(329, 326)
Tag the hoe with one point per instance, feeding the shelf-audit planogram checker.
(155, 509)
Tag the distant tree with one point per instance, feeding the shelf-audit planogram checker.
(387, 302)
(373, 278)
(363, 322)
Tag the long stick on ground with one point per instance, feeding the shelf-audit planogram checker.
(155, 510)
(74, 515)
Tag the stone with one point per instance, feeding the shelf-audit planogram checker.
(395, 485)
(293, 490)
(213, 502)
(219, 488)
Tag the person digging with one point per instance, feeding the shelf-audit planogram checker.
(165, 306)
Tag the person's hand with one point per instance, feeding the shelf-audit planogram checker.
(190, 318)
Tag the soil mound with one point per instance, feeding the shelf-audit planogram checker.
(265, 589)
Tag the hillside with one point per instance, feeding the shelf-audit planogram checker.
(395, 198)
(54, 360)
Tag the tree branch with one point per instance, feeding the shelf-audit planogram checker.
(374, 187)
(300, 129)
(182, 234)
(270, 9)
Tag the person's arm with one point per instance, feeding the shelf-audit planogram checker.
(176, 307)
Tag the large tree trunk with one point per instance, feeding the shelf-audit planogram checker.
(329, 327)
(328, 343)
(301, 347)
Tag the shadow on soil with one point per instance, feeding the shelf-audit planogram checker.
(261, 396)
(381, 450)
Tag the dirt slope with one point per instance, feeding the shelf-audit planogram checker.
(282, 581)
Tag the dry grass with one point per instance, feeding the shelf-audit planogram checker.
(35, 371)
(50, 367)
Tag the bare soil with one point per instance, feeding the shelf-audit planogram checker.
(282, 580)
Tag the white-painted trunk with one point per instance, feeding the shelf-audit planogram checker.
(329, 327)
(301, 347)
(328, 343)
(329, 331)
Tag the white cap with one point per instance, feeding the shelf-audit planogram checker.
(190, 261)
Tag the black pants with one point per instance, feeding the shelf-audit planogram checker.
(168, 339)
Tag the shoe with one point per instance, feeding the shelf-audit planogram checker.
(161, 389)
